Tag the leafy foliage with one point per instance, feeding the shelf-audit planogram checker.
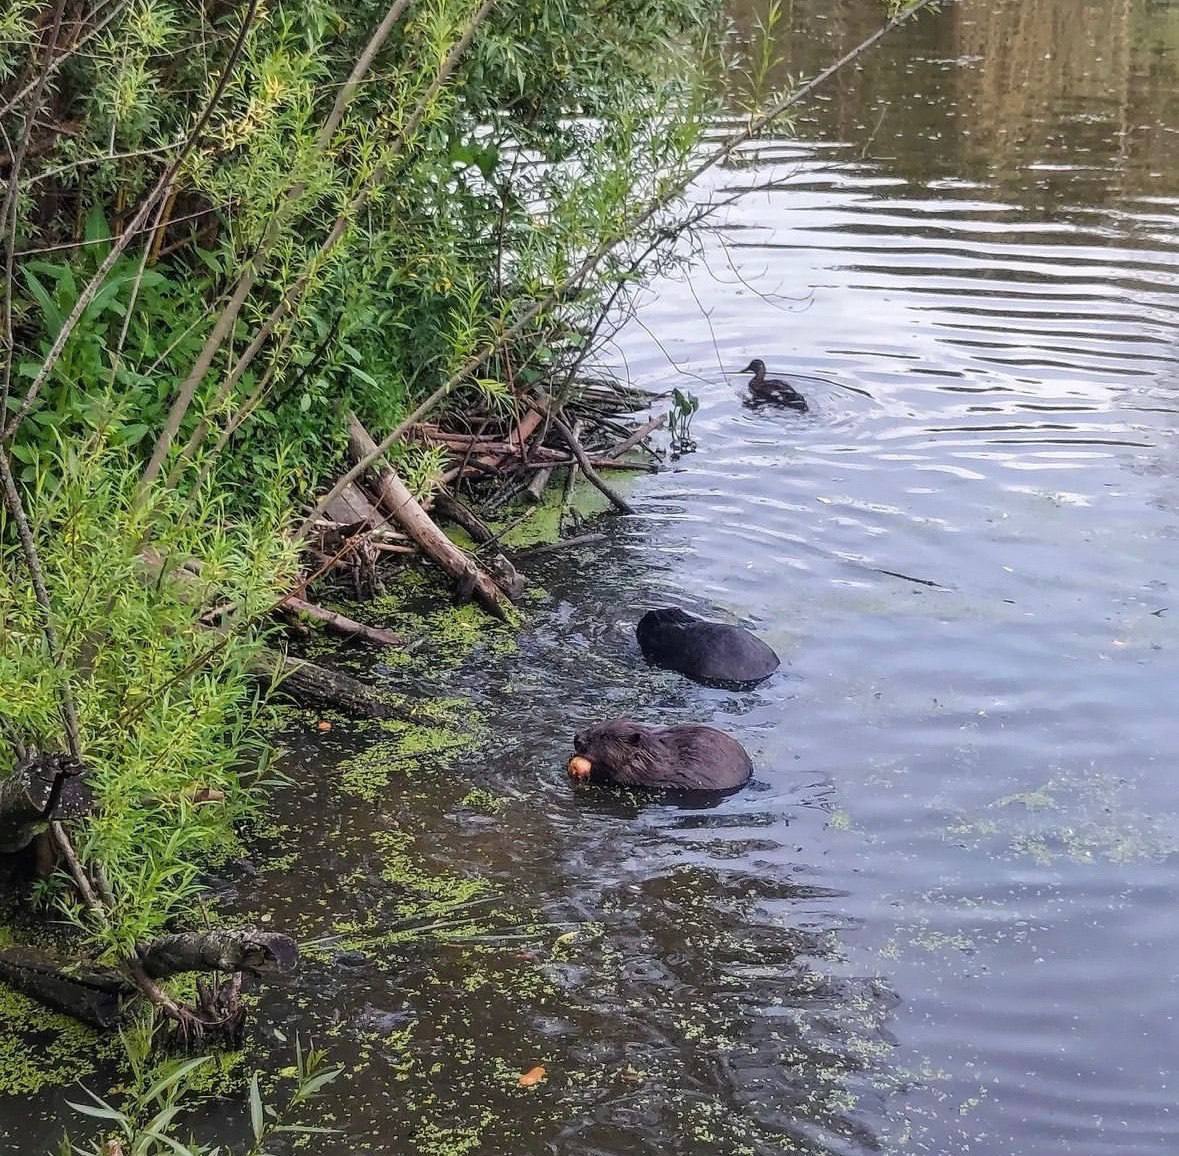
(165, 705)
(148, 1123)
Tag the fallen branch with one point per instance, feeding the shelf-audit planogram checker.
(587, 467)
(639, 435)
(406, 509)
(102, 996)
(563, 544)
(341, 623)
(510, 580)
(314, 685)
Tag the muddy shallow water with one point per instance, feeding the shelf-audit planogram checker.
(942, 918)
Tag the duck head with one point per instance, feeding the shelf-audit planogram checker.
(757, 367)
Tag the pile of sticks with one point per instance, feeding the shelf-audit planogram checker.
(490, 462)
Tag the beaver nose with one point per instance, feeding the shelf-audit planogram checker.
(579, 743)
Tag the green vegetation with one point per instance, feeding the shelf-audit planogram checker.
(259, 218)
(223, 227)
(150, 1121)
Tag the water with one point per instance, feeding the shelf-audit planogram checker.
(941, 919)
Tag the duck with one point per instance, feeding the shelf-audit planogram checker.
(771, 389)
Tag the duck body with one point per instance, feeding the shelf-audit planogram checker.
(713, 653)
(771, 389)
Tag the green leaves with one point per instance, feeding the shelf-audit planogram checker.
(149, 1119)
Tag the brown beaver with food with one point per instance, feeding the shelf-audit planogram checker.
(689, 757)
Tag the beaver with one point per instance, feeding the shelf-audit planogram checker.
(709, 652)
(689, 757)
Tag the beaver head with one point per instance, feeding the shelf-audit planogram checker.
(689, 757)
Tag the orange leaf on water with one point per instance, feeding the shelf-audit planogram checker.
(324, 725)
(532, 1077)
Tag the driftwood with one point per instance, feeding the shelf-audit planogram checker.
(220, 949)
(509, 579)
(409, 514)
(342, 624)
(101, 996)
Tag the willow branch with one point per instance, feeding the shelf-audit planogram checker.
(88, 294)
(227, 319)
(359, 70)
(8, 215)
(65, 694)
(587, 266)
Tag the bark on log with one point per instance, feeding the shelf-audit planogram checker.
(408, 512)
(96, 996)
(535, 489)
(510, 580)
(315, 685)
(99, 996)
(220, 949)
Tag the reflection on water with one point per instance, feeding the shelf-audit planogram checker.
(941, 919)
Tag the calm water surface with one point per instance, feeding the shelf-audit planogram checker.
(943, 917)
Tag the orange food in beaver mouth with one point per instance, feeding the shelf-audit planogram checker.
(580, 767)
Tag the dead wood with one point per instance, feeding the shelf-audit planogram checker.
(587, 467)
(641, 434)
(563, 544)
(100, 996)
(95, 996)
(506, 575)
(220, 949)
(317, 686)
(408, 512)
(341, 623)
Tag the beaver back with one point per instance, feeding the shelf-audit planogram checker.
(687, 757)
(709, 652)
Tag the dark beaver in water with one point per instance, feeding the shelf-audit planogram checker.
(710, 652)
(689, 757)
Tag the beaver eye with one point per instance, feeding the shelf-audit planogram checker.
(634, 738)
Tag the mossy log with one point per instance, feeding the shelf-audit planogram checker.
(101, 996)
(313, 685)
